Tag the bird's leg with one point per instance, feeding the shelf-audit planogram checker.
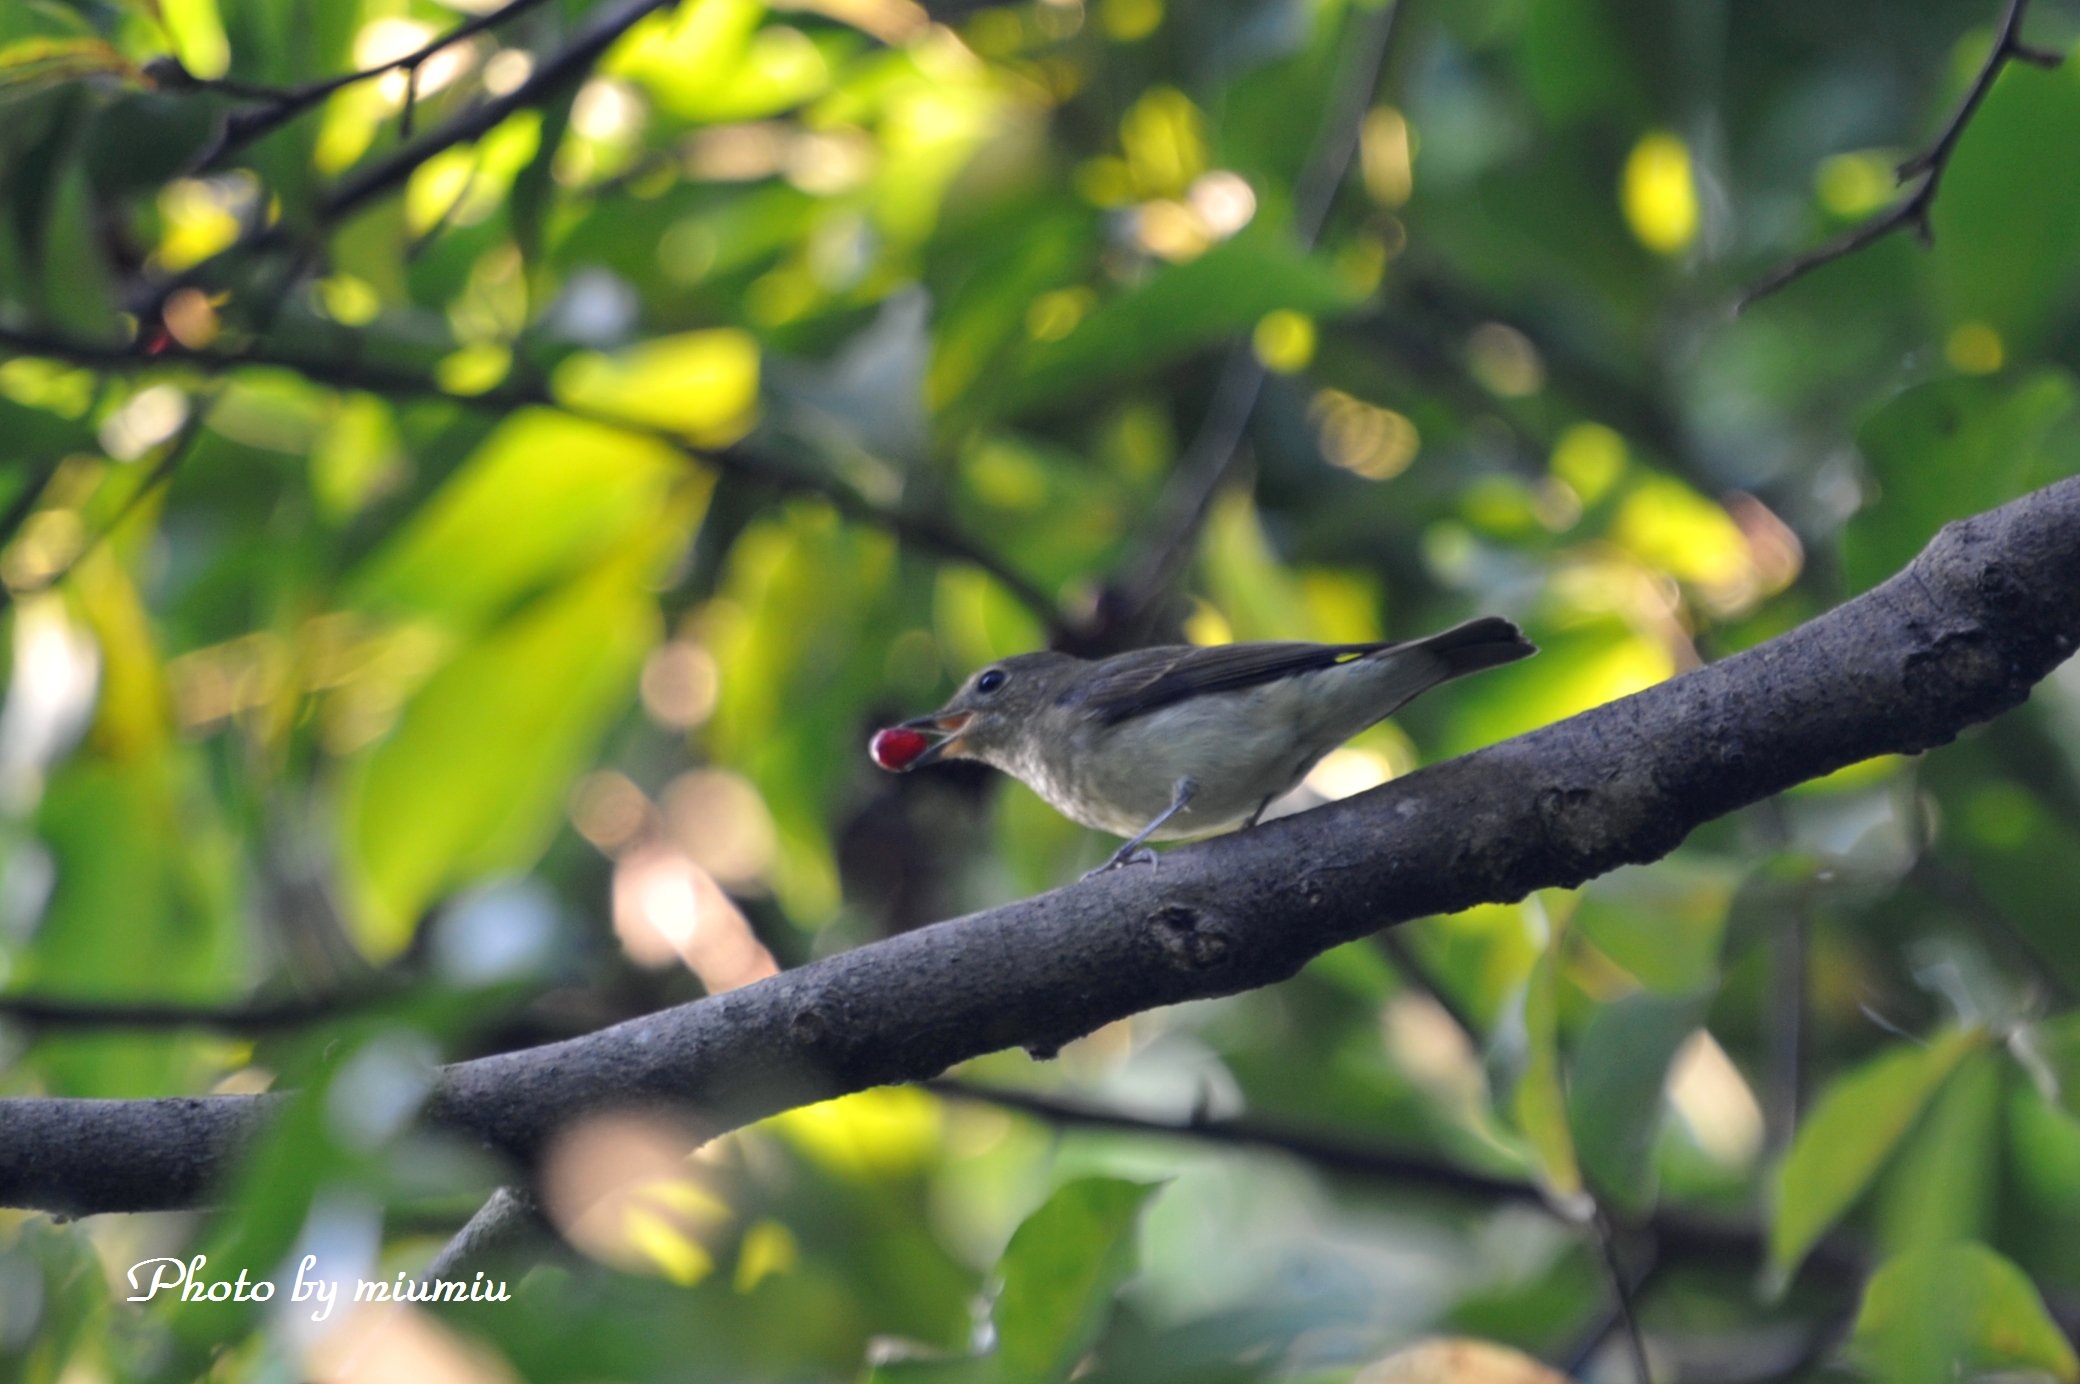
(1132, 853)
(1258, 815)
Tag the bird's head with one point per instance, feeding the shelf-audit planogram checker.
(987, 719)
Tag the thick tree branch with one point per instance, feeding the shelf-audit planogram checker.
(1958, 637)
(1928, 166)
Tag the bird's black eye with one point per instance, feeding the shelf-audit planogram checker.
(990, 681)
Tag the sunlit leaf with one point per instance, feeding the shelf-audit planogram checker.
(702, 385)
(544, 496)
(33, 62)
(1260, 598)
(473, 780)
(198, 35)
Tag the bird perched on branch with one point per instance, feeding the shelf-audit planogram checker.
(1180, 740)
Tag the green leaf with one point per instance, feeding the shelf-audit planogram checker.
(1851, 1132)
(1579, 59)
(2043, 1147)
(31, 63)
(58, 1300)
(1614, 1099)
(1060, 1272)
(472, 781)
(1950, 1312)
(545, 496)
(702, 385)
(74, 275)
(1942, 1186)
(141, 910)
(1662, 924)
(2006, 249)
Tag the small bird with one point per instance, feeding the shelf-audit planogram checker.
(1180, 740)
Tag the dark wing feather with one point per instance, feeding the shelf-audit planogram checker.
(1142, 681)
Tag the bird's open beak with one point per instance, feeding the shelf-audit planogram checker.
(948, 727)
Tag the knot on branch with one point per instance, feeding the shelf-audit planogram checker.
(1569, 829)
(809, 1027)
(1187, 940)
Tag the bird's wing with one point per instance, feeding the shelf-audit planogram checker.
(1146, 679)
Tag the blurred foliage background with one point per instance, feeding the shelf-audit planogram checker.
(462, 521)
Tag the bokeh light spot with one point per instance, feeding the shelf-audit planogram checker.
(1659, 194)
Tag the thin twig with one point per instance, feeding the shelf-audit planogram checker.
(182, 444)
(1676, 1234)
(281, 105)
(259, 1016)
(742, 460)
(1929, 166)
(162, 470)
(1783, 1003)
(1206, 463)
(508, 1214)
(1418, 974)
(1329, 1152)
(385, 175)
(1623, 1291)
(926, 530)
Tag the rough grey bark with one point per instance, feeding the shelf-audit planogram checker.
(1959, 636)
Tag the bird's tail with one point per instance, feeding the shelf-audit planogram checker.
(1488, 642)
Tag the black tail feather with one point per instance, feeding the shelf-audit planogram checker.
(1488, 642)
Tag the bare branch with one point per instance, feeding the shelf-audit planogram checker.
(1624, 1289)
(1929, 166)
(1959, 636)
(506, 1216)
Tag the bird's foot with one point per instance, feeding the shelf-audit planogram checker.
(1128, 854)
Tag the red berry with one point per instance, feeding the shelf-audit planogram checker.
(893, 749)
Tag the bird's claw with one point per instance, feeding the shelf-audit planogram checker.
(1140, 855)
